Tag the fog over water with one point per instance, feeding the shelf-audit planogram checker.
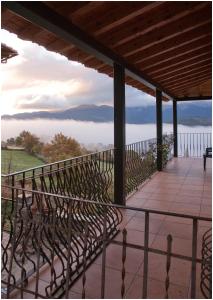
(87, 132)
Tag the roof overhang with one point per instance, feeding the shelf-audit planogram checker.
(161, 45)
(7, 53)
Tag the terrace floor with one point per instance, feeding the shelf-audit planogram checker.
(183, 187)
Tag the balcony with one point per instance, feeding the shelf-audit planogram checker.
(64, 237)
(132, 221)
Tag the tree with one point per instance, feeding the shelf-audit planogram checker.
(61, 147)
(11, 141)
(29, 141)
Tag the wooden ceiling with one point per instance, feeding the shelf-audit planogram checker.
(169, 42)
(6, 53)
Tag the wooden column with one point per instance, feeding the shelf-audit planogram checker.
(119, 134)
(159, 128)
(175, 128)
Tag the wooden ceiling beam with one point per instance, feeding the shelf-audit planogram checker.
(42, 16)
(166, 14)
(183, 69)
(199, 98)
(184, 76)
(176, 63)
(165, 33)
(167, 55)
(188, 85)
(70, 7)
(166, 47)
(188, 72)
(190, 79)
(182, 57)
(115, 15)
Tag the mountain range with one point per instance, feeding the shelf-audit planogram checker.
(188, 114)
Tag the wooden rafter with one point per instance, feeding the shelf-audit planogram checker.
(167, 45)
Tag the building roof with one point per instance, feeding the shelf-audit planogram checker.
(6, 53)
(166, 43)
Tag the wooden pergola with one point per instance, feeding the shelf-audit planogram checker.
(7, 53)
(161, 48)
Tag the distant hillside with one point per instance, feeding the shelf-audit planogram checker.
(188, 114)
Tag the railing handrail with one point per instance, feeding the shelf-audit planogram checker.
(69, 159)
(55, 163)
(153, 211)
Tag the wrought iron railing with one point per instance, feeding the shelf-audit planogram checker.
(59, 234)
(36, 200)
(141, 160)
(193, 144)
(92, 176)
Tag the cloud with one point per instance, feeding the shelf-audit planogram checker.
(41, 80)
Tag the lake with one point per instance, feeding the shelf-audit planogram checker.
(88, 132)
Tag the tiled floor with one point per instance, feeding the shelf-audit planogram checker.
(182, 187)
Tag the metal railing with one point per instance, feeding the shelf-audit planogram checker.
(59, 234)
(193, 144)
(36, 200)
(92, 176)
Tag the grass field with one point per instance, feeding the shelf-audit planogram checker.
(20, 160)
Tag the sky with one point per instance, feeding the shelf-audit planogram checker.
(38, 79)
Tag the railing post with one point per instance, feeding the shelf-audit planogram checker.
(194, 257)
(175, 128)
(159, 129)
(119, 134)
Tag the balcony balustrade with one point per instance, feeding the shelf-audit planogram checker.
(57, 219)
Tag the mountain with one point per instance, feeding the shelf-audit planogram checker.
(188, 114)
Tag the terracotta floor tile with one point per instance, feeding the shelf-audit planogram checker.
(185, 208)
(136, 201)
(206, 201)
(207, 195)
(93, 283)
(178, 220)
(162, 197)
(188, 199)
(179, 273)
(74, 295)
(32, 288)
(142, 195)
(176, 229)
(179, 246)
(134, 258)
(206, 210)
(136, 237)
(191, 193)
(138, 224)
(157, 205)
(155, 290)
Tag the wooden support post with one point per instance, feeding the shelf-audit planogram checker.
(175, 128)
(119, 134)
(159, 129)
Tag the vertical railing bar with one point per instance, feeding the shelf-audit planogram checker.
(103, 268)
(39, 245)
(123, 263)
(194, 257)
(85, 260)
(13, 242)
(146, 245)
(168, 264)
(68, 249)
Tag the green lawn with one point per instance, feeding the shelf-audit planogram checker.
(21, 160)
